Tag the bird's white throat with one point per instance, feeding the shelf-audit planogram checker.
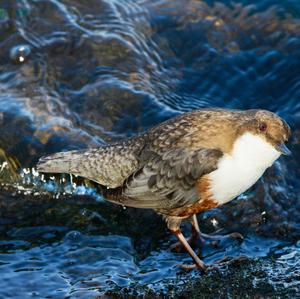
(238, 171)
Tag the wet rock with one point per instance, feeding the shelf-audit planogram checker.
(109, 70)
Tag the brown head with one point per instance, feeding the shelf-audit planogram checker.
(220, 128)
(268, 126)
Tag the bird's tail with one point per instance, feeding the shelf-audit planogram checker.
(63, 162)
(106, 165)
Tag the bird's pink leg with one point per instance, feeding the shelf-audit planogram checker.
(195, 228)
(192, 240)
(198, 262)
(197, 235)
(185, 245)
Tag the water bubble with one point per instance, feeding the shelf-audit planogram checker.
(19, 54)
(214, 222)
(3, 165)
(34, 172)
(74, 236)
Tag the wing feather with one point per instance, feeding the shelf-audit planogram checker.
(168, 180)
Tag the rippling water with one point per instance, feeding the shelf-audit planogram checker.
(76, 75)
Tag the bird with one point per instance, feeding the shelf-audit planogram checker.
(186, 165)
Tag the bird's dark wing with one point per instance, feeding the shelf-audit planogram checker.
(168, 180)
(109, 165)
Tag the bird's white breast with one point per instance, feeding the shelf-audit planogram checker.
(238, 171)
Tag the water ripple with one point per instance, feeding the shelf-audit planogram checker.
(74, 75)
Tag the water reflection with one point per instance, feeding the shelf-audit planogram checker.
(74, 75)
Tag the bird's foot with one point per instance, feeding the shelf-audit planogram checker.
(179, 248)
(227, 260)
(217, 241)
(189, 267)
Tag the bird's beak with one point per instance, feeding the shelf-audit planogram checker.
(282, 148)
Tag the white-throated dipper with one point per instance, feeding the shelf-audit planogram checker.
(191, 163)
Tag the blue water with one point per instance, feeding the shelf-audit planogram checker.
(76, 75)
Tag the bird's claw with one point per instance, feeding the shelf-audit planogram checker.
(217, 241)
(227, 260)
(189, 267)
(232, 260)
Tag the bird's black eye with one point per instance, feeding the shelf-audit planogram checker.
(262, 127)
